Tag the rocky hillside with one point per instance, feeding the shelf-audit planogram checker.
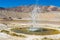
(30, 8)
(15, 12)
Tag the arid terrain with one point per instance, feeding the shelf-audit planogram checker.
(47, 17)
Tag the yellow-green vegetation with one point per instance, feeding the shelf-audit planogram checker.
(18, 35)
(13, 34)
(39, 31)
(47, 38)
(5, 31)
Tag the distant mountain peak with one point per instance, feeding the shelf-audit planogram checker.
(1, 8)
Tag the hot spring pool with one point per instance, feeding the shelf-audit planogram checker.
(36, 31)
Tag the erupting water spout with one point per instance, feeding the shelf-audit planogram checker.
(35, 11)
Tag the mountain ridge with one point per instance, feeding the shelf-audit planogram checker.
(31, 7)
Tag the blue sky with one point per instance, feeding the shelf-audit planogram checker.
(14, 3)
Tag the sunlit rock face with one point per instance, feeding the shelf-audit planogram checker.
(52, 8)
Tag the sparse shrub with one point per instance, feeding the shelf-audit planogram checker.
(5, 31)
(13, 34)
